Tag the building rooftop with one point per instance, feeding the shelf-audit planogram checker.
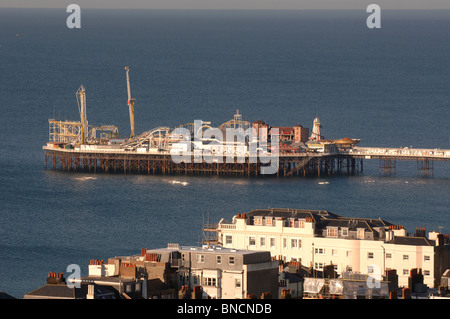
(329, 224)
(415, 241)
(62, 291)
(212, 249)
(4, 295)
(291, 213)
(322, 218)
(57, 291)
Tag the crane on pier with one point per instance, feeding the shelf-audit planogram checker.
(130, 103)
(81, 99)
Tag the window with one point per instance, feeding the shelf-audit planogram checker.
(209, 281)
(284, 242)
(301, 224)
(231, 260)
(319, 266)
(237, 282)
(262, 241)
(252, 241)
(228, 239)
(269, 221)
(388, 256)
(200, 258)
(272, 242)
(332, 232)
(405, 272)
(370, 269)
(345, 232)
(219, 259)
(369, 255)
(195, 280)
(293, 243)
(426, 258)
(405, 257)
(320, 251)
(334, 252)
(348, 253)
(426, 272)
(258, 221)
(296, 243)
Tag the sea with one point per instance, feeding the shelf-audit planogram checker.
(388, 86)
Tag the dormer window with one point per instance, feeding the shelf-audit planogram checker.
(360, 233)
(344, 232)
(332, 232)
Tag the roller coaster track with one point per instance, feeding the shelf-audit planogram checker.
(146, 136)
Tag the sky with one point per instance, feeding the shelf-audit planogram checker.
(232, 4)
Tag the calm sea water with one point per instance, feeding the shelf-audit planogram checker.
(388, 87)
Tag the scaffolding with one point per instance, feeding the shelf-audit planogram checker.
(64, 131)
(209, 231)
(70, 132)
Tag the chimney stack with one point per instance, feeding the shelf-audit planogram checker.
(406, 293)
(55, 278)
(420, 231)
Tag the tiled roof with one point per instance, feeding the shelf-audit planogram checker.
(416, 241)
(58, 291)
(62, 291)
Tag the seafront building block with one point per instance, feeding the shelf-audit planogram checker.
(194, 272)
(318, 238)
(222, 273)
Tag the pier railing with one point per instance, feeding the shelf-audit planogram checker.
(401, 153)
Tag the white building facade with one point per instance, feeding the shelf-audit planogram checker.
(319, 238)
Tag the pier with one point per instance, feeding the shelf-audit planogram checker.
(304, 164)
(236, 147)
(388, 158)
(161, 163)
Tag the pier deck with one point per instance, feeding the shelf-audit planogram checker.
(299, 164)
(162, 163)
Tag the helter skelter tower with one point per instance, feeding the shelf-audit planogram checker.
(315, 134)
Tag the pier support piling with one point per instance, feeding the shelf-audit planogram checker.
(387, 166)
(289, 165)
(424, 167)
